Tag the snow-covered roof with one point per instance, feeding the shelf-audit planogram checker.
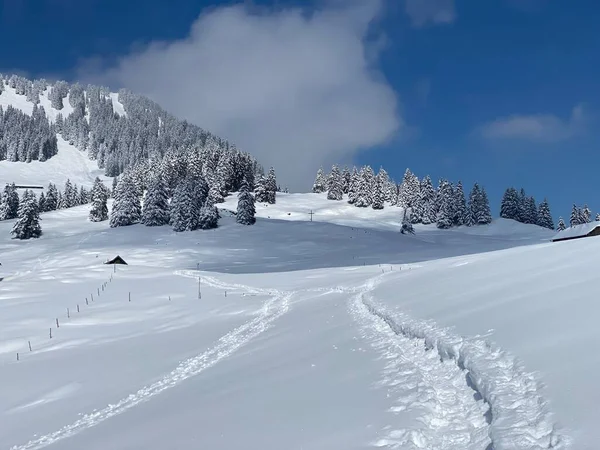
(576, 231)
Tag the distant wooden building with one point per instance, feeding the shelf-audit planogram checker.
(578, 231)
(116, 260)
(28, 186)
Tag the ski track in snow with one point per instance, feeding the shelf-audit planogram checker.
(226, 345)
(470, 394)
(465, 393)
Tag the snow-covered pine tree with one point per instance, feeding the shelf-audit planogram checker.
(485, 213)
(597, 217)
(522, 205)
(42, 203)
(115, 181)
(364, 192)
(409, 191)
(271, 185)
(346, 176)
(427, 198)
(335, 184)
(245, 207)
(99, 197)
(9, 208)
(586, 214)
(126, 208)
(509, 207)
(353, 186)
(155, 211)
(260, 191)
(378, 196)
(84, 196)
(27, 225)
(460, 206)
(182, 205)
(576, 216)
(544, 217)
(208, 217)
(51, 198)
(320, 184)
(446, 202)
(561, 224)
(532, 211)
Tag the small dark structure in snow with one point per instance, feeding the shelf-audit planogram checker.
(116, 260)
(29, 186)
(578, 231)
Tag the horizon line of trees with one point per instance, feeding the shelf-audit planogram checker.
(446, 206)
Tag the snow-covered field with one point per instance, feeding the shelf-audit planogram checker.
(305, 335)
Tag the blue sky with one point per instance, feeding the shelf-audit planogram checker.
(504, 92)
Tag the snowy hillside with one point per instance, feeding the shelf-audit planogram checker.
(69, 163)
(407, 351)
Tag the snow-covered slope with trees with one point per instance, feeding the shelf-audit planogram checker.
(413, 355)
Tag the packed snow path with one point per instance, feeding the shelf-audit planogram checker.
(457, 393)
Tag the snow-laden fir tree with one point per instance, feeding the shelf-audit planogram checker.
(544, 217)
(445, 214)
(479, 207)
(51, 203)
(409, 191)
(126, 208)
(208, 217)
(84, 196)
(509, 207)
(576, 216)
(155, 210)
(531, 211)
(427, 200)
(346, 176)
(42, 203)
(384, 181)
(561, 224)
(597, 217)
(335, 184)
(27, 225)
(99, 197)
(9, 207)
(364, 192)
(320, 184)
(353, 186)
(484, 216)
(460, 206)
(115, 181)
(271, 184)
(182, 203)
(261, 192)
(586, 214)
(245, 207)
(378, 196)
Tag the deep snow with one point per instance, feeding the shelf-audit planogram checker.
(295, 342)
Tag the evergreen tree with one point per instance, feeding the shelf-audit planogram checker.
(346, 177)
(544, 217)
(365, 185)
(126, 208)
(28, 222)
(51, 203)
(445, 214)
(460, 216)
(335, 184)
(9, 208)
(561, 225)
(378, 197)
(353, 186)
(271, 185)
(42, 203)
(479, 207)
(509, 208)
(576, 216)
(531, 214)
(209, 218)
(586, 214)
(597, 217)
(115, 181)
(99, 196)
(427, 200)
(485, 213)
(245, 208)
(182, 204)
(320, 184)
(409, 191)
(155, 211)
(261, 192)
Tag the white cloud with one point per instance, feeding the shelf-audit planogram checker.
(297, 90)
(436, 12)
(536, 128)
